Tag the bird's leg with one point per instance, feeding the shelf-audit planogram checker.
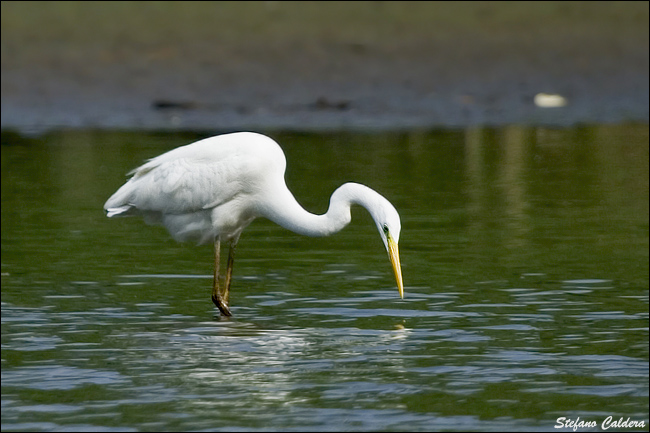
(231, 261)
(219, 300)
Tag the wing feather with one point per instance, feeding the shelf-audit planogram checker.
(200, 176)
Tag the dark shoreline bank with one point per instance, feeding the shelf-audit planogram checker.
(321, 67)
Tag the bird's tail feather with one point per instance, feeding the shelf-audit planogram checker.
(118, 211)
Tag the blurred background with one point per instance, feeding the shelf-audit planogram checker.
(512, 137)
(321, 65)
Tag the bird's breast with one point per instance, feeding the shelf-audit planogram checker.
(230, 218)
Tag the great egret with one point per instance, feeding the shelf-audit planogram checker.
(210, 190)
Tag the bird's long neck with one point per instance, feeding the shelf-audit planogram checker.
(285, 211)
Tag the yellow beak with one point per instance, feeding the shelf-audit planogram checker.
(393, 254)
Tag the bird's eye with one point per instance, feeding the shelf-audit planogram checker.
(385, 228)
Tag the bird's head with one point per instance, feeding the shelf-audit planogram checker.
(383, 214)
(389, 226)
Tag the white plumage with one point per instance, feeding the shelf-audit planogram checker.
(210, 190)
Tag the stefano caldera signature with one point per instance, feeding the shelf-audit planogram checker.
(607, 423)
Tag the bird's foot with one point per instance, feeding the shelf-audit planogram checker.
(221, 305)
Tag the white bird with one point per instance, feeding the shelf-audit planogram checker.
(210, 190)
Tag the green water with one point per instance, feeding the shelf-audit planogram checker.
(525, 261)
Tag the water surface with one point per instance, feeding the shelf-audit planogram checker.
(525, 261)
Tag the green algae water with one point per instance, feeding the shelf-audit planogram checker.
(525, 261)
